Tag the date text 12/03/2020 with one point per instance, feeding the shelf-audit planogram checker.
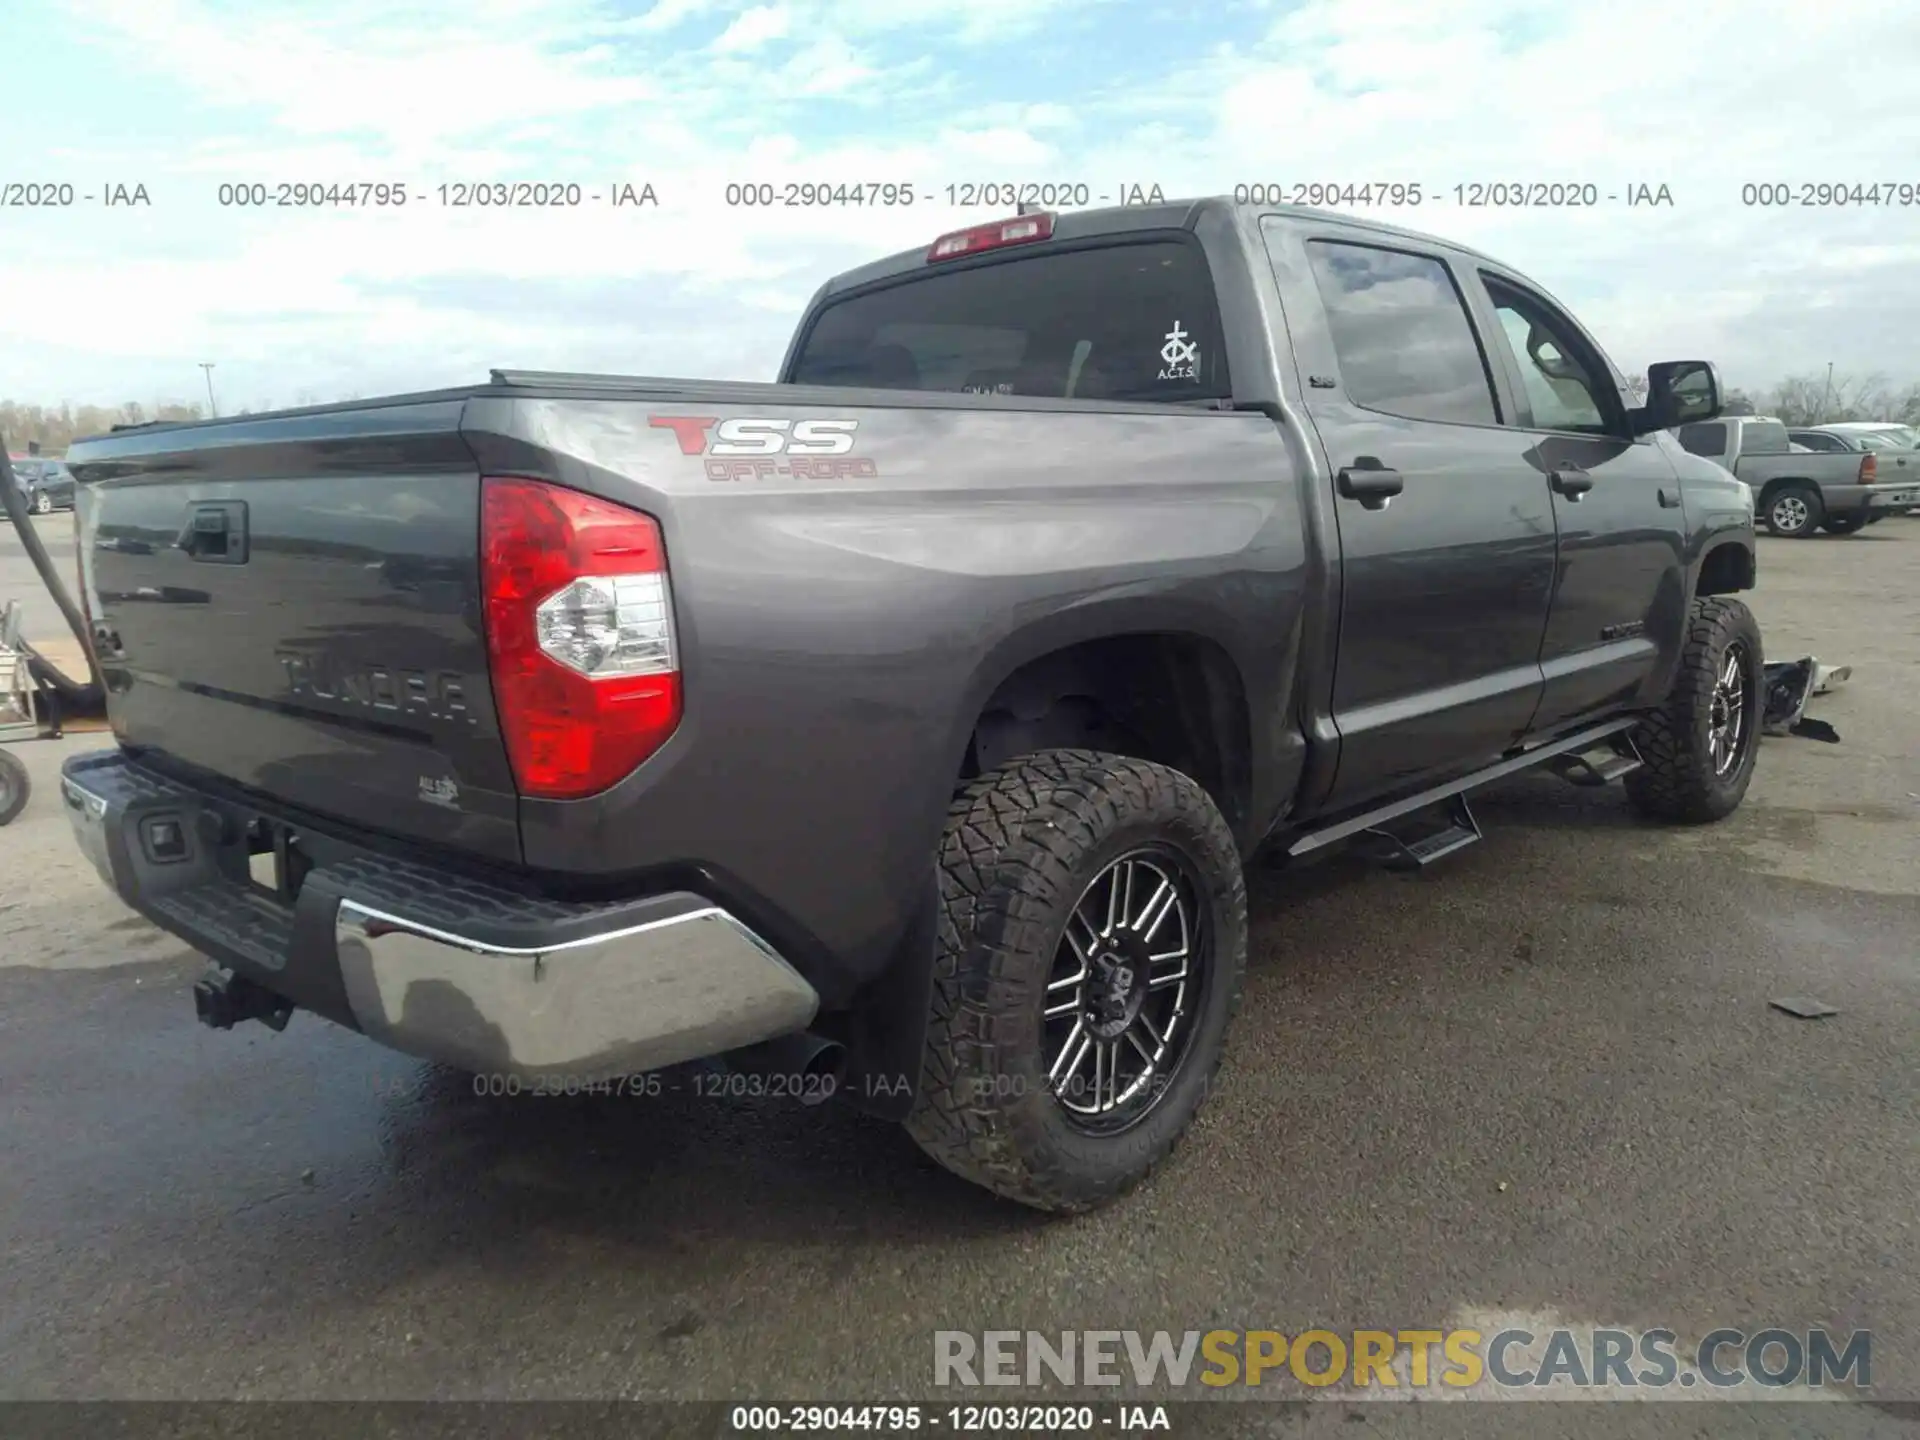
(615, 194)
(701, 1082)
(1469, 194)
(959, 195)
(1076, 194)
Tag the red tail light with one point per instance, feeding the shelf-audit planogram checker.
(580, 636)
(1022, 230)
(1869, 469)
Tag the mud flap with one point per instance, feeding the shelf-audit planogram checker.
(887, 1032)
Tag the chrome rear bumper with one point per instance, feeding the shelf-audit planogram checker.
(631, 1000)
(434, 964)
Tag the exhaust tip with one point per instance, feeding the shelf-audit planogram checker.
(823, 1072)
(809, 1067)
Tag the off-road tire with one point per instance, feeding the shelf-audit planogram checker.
(1812, 510)
(1021, 845)
(15, 786)
(1677, 782)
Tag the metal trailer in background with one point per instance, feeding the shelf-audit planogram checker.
(17, 718)
(34, 693)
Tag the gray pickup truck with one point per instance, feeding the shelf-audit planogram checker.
(1838, 491)
(900, 730)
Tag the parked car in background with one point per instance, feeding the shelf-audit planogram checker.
(1898, 442)
(1875, 434)
(26, 470)
(46, 483)
(1896, 446)
(1794, 494)
(52, 489)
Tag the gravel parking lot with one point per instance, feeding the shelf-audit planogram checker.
(1540, 1081)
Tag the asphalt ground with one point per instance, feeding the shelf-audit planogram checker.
(1539, 1083)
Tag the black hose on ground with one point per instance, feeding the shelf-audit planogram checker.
(16, 507)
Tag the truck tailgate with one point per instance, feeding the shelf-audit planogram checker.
(293, 604)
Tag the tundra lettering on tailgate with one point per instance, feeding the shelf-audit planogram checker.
(404, 692)
(743, 447)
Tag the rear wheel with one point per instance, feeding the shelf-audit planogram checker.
(1093, 937)
(1794, 511)
(1699, 747)
(15, 786)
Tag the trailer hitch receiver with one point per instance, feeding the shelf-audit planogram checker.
(222, 1000)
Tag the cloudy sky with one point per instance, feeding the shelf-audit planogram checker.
(103, 304)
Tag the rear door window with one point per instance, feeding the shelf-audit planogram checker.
(1121, 322)
(1401, 332)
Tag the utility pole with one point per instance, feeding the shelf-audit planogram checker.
(1827, 397)
(207, 367)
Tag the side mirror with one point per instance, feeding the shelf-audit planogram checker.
(1679, 392)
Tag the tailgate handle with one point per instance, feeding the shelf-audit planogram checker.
(215, 532)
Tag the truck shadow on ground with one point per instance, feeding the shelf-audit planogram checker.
(685, 1164)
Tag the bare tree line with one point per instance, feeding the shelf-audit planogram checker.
(52, 428)
(1819, 400)
(1813, 399)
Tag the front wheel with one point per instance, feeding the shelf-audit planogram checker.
(1093, 938)
(1794, 511)
(42, 503)
(1699, 747)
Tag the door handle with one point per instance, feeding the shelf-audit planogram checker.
(1370, 482)
(1571, 481)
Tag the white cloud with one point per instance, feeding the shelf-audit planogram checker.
(828, 66)
(667, 14)
(753, 28)
(691, 96)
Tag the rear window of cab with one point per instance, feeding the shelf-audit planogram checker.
(1133, 321)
